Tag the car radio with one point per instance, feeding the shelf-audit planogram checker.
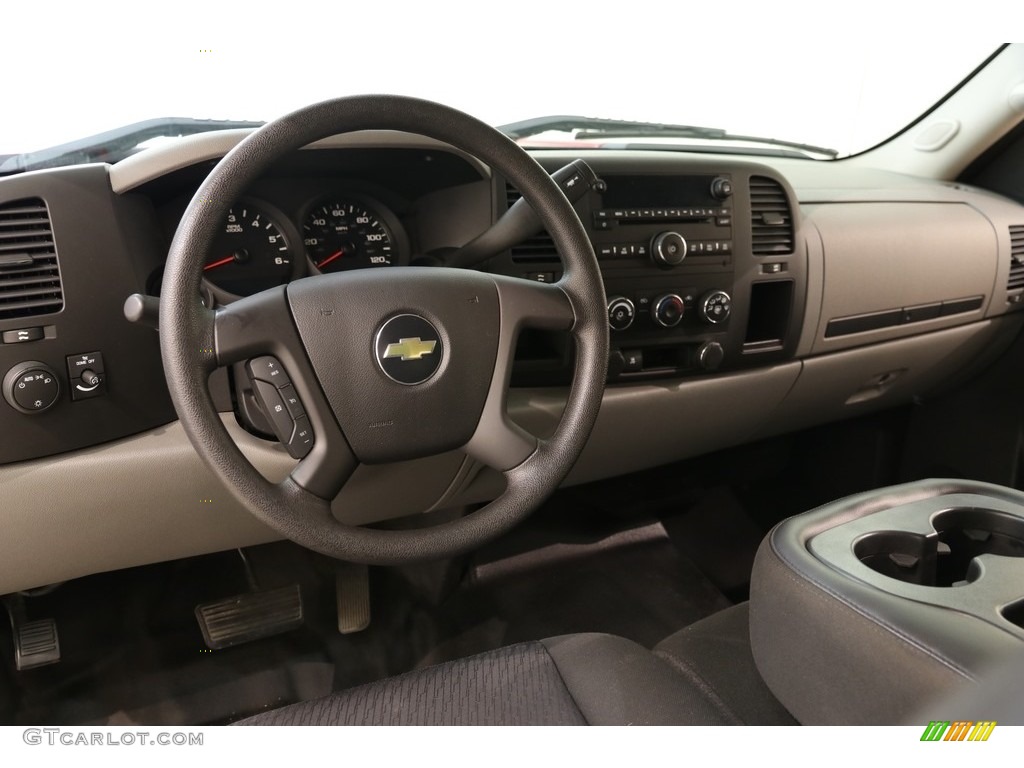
(698, 268)
(665, 246)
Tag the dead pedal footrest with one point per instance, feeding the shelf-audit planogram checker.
(250, 616)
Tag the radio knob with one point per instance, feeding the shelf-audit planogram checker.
(721, 188)
(710, 355)
(667, 310)
(668, 249)
(715, 307)
(621, 313)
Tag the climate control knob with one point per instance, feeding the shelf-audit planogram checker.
(621, 313)
(667, 310)
(31, 387)
(715, 307)
(668, 249)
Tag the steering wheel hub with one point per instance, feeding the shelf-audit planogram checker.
(409, 349)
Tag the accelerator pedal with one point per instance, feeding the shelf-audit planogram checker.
(352, 585)
(36, 643)
(250, 616)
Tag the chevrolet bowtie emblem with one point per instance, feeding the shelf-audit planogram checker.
(410, 349)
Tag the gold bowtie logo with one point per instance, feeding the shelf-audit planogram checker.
(410, 349)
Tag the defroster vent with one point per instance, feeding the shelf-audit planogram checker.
(29, 274)
(771, 218)
(1016, 280)
(539, 249)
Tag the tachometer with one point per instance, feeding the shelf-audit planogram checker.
(250, 254)
(342, 234)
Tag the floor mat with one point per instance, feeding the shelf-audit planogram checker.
(631, 583)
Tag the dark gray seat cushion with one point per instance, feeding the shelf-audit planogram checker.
(571, 680)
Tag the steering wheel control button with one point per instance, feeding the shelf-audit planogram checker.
(621, 313)
(668, 249)
(408, 349)
(302, 440)
(31, 387)
(275, 409)
(715, 307)
(22, 335)
(291, 401)
(270, 370)
(667, 310)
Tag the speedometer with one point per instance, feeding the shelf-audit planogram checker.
(341, 234)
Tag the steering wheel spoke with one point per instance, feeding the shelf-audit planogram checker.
(259, 329)
(499, 442)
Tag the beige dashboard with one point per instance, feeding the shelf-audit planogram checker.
(880, 258)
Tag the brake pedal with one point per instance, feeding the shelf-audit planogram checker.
(250, 616)
(352, 586)
(36, 643)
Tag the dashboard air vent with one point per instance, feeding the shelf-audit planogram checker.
(539, 249)
(1016, 280)
(29, 275)
(771, 218)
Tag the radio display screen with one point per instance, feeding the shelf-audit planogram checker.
(659, 192)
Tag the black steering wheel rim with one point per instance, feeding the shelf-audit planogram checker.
(192, 342)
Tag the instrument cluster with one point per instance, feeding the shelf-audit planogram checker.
(261, 247)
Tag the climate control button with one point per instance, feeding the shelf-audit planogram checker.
(621, 313)
(715, 307)
(667, 310)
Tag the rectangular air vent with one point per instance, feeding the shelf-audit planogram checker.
(1016, 279)
(29, 275)
(771, 218)
(539, 249)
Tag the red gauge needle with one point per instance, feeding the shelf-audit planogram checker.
(333, 257)
(219, 263)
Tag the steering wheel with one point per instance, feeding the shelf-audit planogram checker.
(388, 364)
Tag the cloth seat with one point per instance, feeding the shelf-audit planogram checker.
(692, 678)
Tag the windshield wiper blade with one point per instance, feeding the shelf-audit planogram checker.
(117, 144)
(584, 128)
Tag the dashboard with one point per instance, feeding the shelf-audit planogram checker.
(746, 297)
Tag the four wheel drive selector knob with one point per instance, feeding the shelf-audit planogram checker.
(668, 249)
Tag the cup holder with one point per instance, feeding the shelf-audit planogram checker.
(1014, 613)
(944, 558)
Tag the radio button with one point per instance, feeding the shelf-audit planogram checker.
(668, 249)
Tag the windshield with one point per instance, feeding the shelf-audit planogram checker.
(659, 63)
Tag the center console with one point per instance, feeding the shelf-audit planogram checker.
(864, 609)
(703, 270)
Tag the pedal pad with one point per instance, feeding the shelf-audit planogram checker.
(36, 643)
(250, 616)
(352, 586)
